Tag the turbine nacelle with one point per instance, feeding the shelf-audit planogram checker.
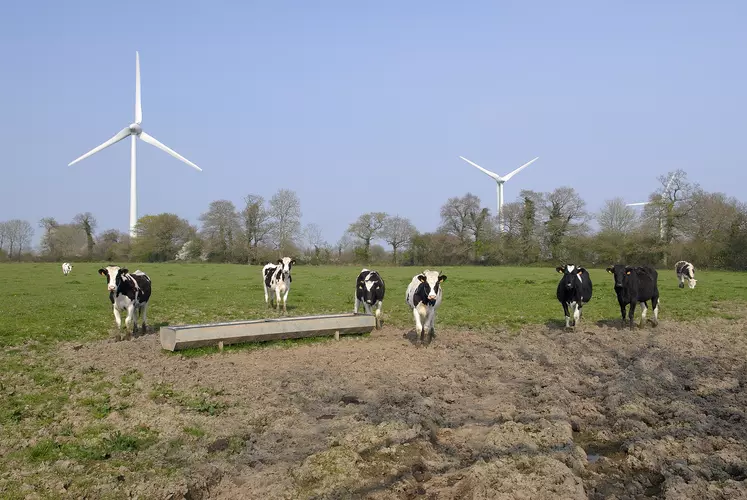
(136, 129)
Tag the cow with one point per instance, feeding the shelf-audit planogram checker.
(685, 271)
(129, 292)
(369, 291)
(574, 290)
(635, 285)
(277, 278)
(424, 295)
(66, 268)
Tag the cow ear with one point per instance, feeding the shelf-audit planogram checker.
(442, 278)
(580, 270)
(102, 272)
(124, 271)
(559, 269)
(609, 270)
(280, 261)
(293, 261)
(421, 278)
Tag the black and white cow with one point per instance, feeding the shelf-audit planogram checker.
(277, 278)
(129, 292)
(685, 271)
(574, 290)
(369, 291)
(424, 295)
(66, 268)
(635, 285)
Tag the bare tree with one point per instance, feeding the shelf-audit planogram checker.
(315, 242)
(285, 210)
(398, 231)
(366, 228)
(457, 216)
(3, 234)
(256, 220)
(616, 217)
(219, 226)
(672, 204)
(87, 223)
(18, 234)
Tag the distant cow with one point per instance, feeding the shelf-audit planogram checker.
(130, 292)
(685, 271)
(636, 285)
(424, 295)
(66, 268)
(369, 291)
(574, 290)
(277, 278)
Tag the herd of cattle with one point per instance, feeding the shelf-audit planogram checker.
(633, 285)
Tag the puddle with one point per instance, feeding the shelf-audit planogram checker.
(595, 450)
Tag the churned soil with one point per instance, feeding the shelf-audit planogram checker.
(541, 413)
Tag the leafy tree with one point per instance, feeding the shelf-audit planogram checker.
(366, 228)
(160, 237)
(87, 223)
(397, 232)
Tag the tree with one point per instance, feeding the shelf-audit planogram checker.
(112, 245)
(160, 237)
(456, 216)
(398, 231)
(366, 228)
(256, 220)
(616, 217)
(87, 223)
(285, 212)
(566, 213)
(219, 225)
(18, 234)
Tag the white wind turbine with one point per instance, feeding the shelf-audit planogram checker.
(643, 203)
(135, 130)
(500, 180)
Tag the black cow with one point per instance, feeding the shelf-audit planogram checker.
(635, 285)
(574, 290)
(369, 291)
(130, 292)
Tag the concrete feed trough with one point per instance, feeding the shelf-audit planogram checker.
(174, 338)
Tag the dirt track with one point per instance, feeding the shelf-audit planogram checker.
(596, 413)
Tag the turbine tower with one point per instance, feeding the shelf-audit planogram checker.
(500, 180)
(135, 130)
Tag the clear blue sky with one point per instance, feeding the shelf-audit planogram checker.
(366, 106)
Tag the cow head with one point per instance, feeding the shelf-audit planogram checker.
(621, 273)
(431, 284)
(691, 282)
(284, 267)
(369, 286)
(571, 275)
(114, 276)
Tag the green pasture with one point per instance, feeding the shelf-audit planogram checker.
(40, 303)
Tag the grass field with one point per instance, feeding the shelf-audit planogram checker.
(40, 303)
(65, 426)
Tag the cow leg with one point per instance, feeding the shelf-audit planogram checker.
(431, 321)
(567, 315)
(285, 298)
(418, 323)
(655, 306)
(128, 320)
(277, 299)
(622, 312)
(631, 314)
(682, 280)
(267, 297)
(644, 310)
(118, 320)
(577, 314)
(378, 314)
(355, 301)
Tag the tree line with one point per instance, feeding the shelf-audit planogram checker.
(679, 221)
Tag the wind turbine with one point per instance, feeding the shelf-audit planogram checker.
(643, 203)
(500, 180)
(135, 130)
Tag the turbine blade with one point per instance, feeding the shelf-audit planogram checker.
(120, 135)
(508, 176)
(488, 172)
(152, 141)
(637, 204)
(138, 103)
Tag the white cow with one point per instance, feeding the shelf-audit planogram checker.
(685, 271)
(277, 278)
(66, 268)
(424, 295)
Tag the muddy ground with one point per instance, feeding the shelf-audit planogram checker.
(537, 414)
